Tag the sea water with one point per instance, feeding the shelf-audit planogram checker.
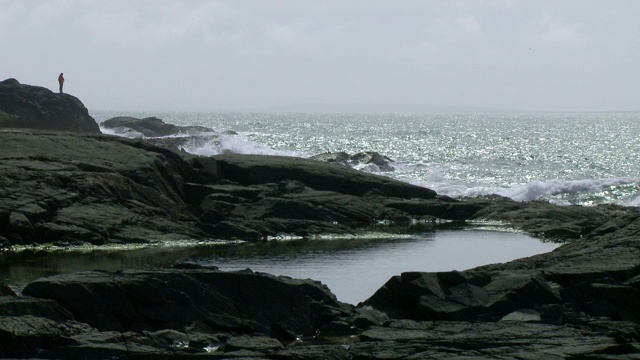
(565, 158)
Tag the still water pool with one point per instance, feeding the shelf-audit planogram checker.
(352, 268)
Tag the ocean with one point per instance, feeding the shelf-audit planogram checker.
(565, 158)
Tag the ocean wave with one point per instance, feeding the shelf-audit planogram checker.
(236, 144)
(588, 188)
(633, 202)
(212, 143)
(204, 143)
(616, 190)
(130, 134)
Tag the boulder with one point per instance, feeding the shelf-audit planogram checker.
(26, 336)
(30, 306)
(439, 208)
(260, 169)
(85, 189)
(462, 296)
(34, 107)
(370, 161)
(616, 301)
(5, 290)
(241, 302)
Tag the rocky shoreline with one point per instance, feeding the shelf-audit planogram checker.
(73, 188)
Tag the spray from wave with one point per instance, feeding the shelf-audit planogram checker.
(221, 144)
(621, 191)
(544, 189)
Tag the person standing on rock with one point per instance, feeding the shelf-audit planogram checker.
(61, 81)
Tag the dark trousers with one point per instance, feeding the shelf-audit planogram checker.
(60, 88)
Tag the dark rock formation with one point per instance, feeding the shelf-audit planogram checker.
(30, 306)
(250, 170)
(34, 107)
(466, 296)
(370, 160)
(165, 311)
(240, 302)
(57, 187)
(103, 189)
(195, 312)
(406, 339)
(5, 290)
(150, 127)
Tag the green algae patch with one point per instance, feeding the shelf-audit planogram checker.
(51, 248)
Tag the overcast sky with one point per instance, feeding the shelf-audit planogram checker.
(549, 55)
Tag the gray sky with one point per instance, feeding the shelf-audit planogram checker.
(549, 55)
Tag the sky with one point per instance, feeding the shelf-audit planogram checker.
(243, 55)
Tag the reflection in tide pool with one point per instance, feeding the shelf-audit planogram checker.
(355, 271)
(352, 268)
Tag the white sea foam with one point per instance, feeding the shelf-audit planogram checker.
(544, 189)
(222, 144)
(563, 192)
(130, 134)
(635, 201)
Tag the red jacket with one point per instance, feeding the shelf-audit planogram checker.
(60, 79)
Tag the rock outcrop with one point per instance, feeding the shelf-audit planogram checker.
(34, 107)
(69, 189)
(74, 189)
(370, 161)
(157, 313)
(241, 302)
(149, 127)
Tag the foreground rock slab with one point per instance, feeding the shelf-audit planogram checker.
(110, 313)
(404, 339)
(243, 302)
(72, 189)
(205, 313)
